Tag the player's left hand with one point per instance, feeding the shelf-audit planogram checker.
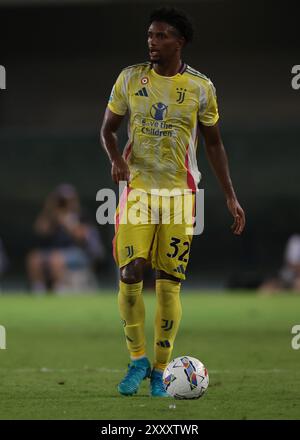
(238, 215)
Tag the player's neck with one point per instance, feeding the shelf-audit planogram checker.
(170, 68)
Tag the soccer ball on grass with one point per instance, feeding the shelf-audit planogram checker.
(185, 378)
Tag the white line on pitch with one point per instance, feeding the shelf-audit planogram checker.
(109, 370)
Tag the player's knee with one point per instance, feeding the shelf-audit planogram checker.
(133, 272)
(129, 300)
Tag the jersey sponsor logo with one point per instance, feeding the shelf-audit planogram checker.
(142, 92)
(151, 127)
(159, 111)
(181, 95)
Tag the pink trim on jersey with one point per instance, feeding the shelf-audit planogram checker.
(189, 178)
(123, 200)
(127, 151)
(114, 249)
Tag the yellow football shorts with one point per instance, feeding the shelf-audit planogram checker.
(156, 228)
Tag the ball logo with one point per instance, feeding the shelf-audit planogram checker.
(168, 380)
(189, 370)
(144, 80)
(159, 111)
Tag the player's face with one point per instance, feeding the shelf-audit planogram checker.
(163, 42)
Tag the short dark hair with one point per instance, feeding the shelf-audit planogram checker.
(176, 18)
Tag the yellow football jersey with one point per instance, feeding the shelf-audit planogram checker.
(163, 124)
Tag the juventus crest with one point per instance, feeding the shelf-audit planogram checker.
(181, 95)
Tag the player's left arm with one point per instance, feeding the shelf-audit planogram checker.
(218, 160)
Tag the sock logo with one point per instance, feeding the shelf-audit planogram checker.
(164, 344)
(167, 324)
(128, 338)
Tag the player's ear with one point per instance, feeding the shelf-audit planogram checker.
(181, 42)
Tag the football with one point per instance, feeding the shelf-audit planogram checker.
(185, 378)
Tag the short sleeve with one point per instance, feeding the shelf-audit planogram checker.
(208, 107)
(117, 102)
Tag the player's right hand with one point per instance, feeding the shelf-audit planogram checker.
(120, 170)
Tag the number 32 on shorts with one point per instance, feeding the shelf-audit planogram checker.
(175, 243)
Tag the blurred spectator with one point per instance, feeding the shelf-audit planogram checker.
(289, 275)
(67, 245)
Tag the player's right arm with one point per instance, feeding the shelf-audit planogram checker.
(109, 140)
(114, 114)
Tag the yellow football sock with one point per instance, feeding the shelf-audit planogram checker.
(167, 320)
(132, 311)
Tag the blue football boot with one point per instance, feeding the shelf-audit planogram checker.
(157, 388)
(137, 371)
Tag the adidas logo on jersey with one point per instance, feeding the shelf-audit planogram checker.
(142, 92)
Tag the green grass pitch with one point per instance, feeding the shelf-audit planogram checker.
(65, 356)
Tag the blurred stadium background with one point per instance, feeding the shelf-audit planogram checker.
(61, 59)
(65, 356)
